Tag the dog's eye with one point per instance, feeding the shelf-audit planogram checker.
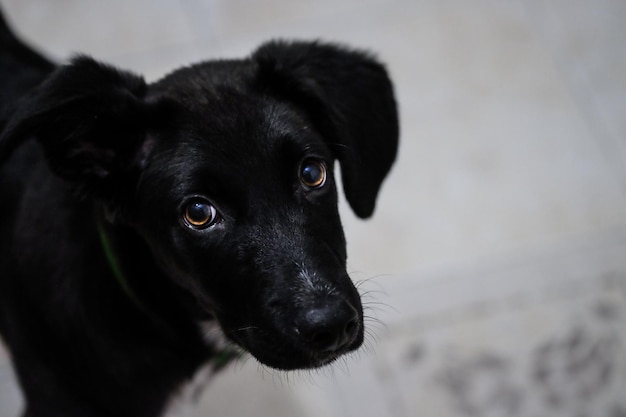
(313, 173)
(199, 213)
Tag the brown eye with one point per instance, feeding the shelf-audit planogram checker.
(313, 173)
(199, 213)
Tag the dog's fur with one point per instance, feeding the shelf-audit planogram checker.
(105, 280)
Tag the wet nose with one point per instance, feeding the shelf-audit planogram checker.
(329, 325)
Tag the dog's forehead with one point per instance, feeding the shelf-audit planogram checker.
(225, 112)
(242, 130)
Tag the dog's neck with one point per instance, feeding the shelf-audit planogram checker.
(131, 267)
(219, 351)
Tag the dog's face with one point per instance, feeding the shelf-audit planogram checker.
(226, 169)
(247, 221)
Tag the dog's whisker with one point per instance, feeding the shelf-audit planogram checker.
(372, 336)
(246, 329)
(374, 302)
(374, 321)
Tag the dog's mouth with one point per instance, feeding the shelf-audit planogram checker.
(311, 337)
(288, 353)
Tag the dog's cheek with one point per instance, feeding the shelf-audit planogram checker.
(323, 227)
(178, 255)
(210, 268)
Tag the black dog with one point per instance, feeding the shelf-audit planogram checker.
(132, 214)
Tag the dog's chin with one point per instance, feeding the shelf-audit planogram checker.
(281, 355)
(288, 361)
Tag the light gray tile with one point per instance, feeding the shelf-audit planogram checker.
(586, 41)
(104, 29)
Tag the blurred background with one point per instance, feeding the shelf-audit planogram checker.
(495, 266)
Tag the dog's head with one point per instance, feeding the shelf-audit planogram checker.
(226, 170)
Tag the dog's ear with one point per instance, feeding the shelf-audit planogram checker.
(90, 120)
(349, 98)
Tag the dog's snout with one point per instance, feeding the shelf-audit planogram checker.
(330, 325)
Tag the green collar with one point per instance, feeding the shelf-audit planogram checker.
(115, 266)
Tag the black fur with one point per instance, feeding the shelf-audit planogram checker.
(98, 171)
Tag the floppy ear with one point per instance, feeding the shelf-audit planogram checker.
(349, 98)
(90, 120)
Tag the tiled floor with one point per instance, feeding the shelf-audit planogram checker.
(497, 256)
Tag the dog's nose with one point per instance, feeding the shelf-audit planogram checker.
(329, 325)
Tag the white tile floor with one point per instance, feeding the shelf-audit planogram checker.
(499, 245)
